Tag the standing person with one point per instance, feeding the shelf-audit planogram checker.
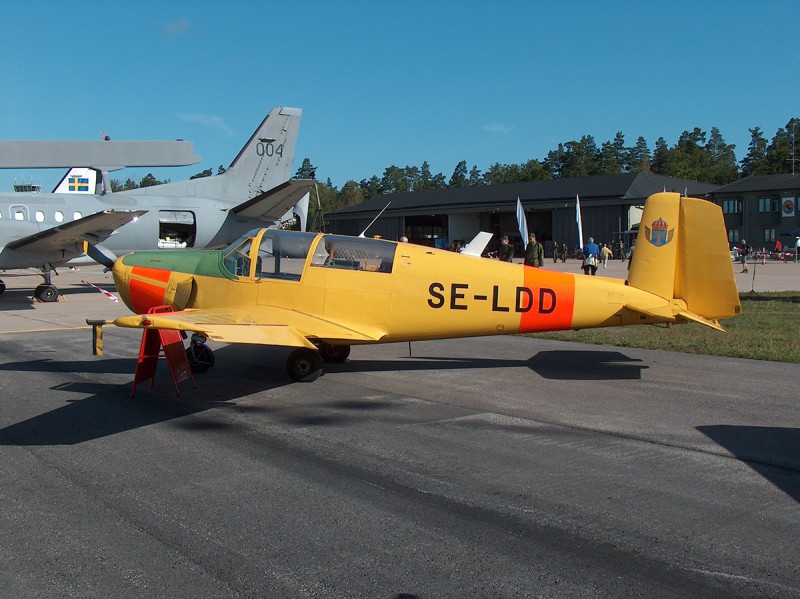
(564, 252)
(534, 252)
(591, 252)
(556, 249)
(605, 253)
(744, 250)
(505, 252)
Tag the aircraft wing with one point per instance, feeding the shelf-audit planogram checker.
(93, 229)
(273, 204)
(263, 325)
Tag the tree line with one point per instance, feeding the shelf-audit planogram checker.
(696, 156)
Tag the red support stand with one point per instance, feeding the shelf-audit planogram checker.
(153, 340)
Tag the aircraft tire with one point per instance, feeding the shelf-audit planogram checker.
(200, 356)
(46, 293)
(304, 365)
(2, 287)
(334, 354)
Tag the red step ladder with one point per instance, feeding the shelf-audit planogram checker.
(153, 340)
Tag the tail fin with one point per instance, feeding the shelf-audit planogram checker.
(79, 180)
(682, 256)
(266, 159)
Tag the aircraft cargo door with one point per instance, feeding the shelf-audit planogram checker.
(176, 229)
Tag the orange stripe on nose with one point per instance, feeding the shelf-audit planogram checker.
(148, 287)
(551, 299)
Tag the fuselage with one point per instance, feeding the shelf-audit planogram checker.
(171, 222)
(403, 291)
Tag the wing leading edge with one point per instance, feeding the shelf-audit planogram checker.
(93, 229)
(263, 325)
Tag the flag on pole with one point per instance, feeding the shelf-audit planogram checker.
(522, 223)
(578, 219)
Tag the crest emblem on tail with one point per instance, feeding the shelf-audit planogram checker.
(660, 234)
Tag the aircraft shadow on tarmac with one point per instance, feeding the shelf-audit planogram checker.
(109, 409)
(773, 452)
(240, 372)
(584, 365)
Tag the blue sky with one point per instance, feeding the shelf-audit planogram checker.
(395, 82)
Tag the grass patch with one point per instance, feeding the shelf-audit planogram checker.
(768, 329)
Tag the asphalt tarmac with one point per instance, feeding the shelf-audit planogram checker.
(491, 467)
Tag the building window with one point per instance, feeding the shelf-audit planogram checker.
(769, 204)
(769, 235)
(733, 235)
(732, 206)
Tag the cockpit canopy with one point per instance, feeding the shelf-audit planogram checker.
(278, 254)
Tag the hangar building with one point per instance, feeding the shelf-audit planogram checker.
(610, 206)
(761, 209)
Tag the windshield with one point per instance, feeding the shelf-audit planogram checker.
(281, 254)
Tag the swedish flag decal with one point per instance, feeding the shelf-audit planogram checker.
(78, 184)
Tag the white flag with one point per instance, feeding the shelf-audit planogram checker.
(578, 219)
(522, 223)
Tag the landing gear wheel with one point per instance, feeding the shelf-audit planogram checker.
(46, 293)
(334, 354)
(2, 287)
(304, 365)
(200, 356)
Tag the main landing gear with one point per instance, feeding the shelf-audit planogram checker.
(304, 365)
(46, 292)
(200, 356)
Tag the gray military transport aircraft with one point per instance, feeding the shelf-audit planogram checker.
(44, 230)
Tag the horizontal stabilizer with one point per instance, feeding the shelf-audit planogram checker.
(273, 204)
(93, 229)
(714, 324)
(104, 155)
(669, 312)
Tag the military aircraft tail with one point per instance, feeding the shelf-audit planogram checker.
(266, 159)
(682, 256)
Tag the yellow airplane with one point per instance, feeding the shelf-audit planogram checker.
(322, 293)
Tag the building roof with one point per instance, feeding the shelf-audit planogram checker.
(628, 187)
(760, 183)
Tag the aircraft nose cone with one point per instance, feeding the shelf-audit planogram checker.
(122, 279)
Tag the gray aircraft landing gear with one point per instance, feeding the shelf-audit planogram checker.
(46, 292)
(304, 365)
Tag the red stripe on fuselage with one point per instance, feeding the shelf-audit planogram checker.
(553, 299)
(146, 294)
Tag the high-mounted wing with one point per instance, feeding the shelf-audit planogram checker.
(92, 229)
(264, 325)
(273, 204)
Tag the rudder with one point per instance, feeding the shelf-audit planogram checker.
(682, 256)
